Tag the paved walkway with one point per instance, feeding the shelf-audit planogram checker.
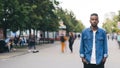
(22, 51)
(68, 60)
(114, 51)
(114, 54)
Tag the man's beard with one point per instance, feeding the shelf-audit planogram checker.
(94, 24)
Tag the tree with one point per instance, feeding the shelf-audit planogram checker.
(8, 11)
(69, 20)
(79, 26)
(110, 25)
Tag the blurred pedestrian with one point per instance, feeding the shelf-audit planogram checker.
(71, 41)
(16, 40)
(78, 35)
(63, 44)
(118, 39)
(31, 44)
(10, 46)
(112, 36)
(108, 36)
(93, 47)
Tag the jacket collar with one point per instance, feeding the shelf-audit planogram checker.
(98, 29)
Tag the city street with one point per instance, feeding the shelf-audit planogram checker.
(52, 57)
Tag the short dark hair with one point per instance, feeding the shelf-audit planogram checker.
(94, 14)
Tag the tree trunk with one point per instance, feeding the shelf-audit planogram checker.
(29, 31)
(4, 32)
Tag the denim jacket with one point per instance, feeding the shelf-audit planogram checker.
(87, 43)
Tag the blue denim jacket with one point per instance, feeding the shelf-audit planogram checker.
(87, 43)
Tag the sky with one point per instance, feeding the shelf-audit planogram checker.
(83, 8)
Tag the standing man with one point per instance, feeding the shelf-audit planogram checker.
(93, 47)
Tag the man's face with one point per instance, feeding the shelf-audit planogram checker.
(94, 21)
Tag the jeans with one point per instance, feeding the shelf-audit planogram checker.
(93, 65)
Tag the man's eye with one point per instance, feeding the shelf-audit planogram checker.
(93, 19)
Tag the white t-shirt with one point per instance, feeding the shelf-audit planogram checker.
(93, 56)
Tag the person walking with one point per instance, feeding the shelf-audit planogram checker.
(71, 41)
(118, 39)
(93, 47)
(63, 44)
(31, 44)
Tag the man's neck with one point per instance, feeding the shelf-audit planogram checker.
(94, 28)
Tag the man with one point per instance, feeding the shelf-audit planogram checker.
(31, 44)
(71, 41)
(93, 47)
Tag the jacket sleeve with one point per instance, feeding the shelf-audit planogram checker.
(81, 50)
(105, 45)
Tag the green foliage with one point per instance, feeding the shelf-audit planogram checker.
(110, 25)
(79, 27)
(69, 20)
(41, 15)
